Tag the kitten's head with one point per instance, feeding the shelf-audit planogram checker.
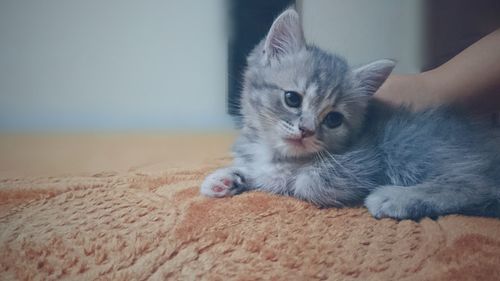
(301, 99)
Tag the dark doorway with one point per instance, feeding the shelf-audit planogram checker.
(453, 25)
(249, 21)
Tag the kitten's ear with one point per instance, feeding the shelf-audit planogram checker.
(285, 36)
(368, 78)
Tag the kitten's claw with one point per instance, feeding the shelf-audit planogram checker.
(222, 183)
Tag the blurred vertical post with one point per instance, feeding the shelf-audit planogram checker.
(249, 22)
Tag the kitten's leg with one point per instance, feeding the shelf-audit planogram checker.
(433, 199)
(326, 188)
(223, 182)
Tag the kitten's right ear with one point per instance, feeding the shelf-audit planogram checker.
(285, 36)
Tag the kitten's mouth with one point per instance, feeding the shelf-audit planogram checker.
(297, 142)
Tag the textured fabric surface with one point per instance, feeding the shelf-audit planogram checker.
(128, 208)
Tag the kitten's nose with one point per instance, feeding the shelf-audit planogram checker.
(305, 132)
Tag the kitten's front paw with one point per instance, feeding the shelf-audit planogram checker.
(396, 202)
(221, 183)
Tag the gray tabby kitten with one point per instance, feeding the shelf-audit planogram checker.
(310, 130)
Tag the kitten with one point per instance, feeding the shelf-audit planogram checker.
(311, 130)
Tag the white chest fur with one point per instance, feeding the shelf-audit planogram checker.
(266, 174)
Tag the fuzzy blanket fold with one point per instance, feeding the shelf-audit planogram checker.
(138, 216)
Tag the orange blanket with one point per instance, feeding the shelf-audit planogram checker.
(127, 208)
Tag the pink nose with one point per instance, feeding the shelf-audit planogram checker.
(305, 132)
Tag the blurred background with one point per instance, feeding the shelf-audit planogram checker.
(123, 65)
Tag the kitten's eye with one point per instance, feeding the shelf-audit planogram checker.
(333, 120)
(293, 99)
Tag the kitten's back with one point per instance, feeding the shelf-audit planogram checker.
(433, 141)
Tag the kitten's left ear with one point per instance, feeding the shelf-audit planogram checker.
(285, 36)
(368, 78)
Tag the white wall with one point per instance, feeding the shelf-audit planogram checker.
(366, 30)
(160, 64)
(114, 64)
